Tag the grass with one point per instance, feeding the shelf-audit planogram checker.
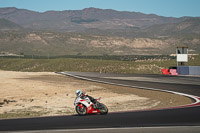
(90, 65)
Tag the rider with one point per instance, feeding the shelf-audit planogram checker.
(83, 95)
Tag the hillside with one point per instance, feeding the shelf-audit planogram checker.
(76, 20)
(56, 43)
(8, 25)
(187, 27)
(94, 31)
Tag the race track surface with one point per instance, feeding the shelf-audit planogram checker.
(181, 116)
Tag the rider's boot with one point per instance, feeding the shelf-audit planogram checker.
(96, 105)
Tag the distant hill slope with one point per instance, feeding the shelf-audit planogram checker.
(66, 43)
(76, 20)
(95, 32)
(189, 26)
(8, 25)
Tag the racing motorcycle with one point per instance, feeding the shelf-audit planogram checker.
(85, 106)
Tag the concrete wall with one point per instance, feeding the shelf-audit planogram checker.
(188, 70)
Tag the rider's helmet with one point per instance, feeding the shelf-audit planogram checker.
(78, 93)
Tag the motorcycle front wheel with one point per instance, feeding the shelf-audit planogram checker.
(81, 111)
(103, 109)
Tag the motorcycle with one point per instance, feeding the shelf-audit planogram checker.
(85, 106)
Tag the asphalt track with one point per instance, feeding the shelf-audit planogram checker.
(186, 117)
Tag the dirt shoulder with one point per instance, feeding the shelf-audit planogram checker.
(26, 94)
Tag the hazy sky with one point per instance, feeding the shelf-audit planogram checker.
(174, 8)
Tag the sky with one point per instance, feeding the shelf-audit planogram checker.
(168, 8)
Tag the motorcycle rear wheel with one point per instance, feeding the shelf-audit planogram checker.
(103, 109)
(81, 111)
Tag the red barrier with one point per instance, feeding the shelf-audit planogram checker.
(173, 72)
(165, 72)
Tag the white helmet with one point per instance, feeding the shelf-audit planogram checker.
(78, 93)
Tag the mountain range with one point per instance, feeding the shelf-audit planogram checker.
(94, 31)
(70, 20)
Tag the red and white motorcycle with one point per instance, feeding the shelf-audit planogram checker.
(85, 106)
